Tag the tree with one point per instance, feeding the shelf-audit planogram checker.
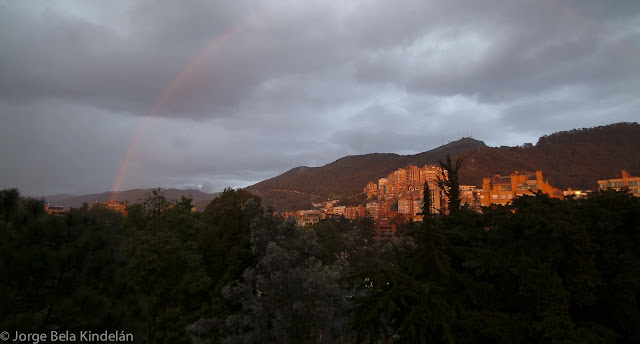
(289, 296)
(225, 244)
(62, 272)
(162, 244)
(426, 201)
(330, 241)
(449, 182)
(9, 200)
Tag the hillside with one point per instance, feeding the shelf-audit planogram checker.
(200, 199)
(576, 159)
(345, 178)
(569, 159)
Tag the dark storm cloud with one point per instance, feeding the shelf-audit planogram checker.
(244, 90)
(509, 51)
(51, 147)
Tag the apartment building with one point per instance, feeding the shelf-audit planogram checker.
(626, 181)
(503, 189)
(400, 188)
(469, 197)
(405, 206)
(373, 209)
(55, 210)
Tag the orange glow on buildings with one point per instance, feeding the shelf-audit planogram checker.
(402, 191)
(55, 210)
(627, 181)
(113, 205)
(503, 189)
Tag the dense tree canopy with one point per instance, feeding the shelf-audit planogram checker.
(62, 272)
(537, 270)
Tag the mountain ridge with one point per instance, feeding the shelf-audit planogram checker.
(132, 195)
(576, 158)
(345, 177)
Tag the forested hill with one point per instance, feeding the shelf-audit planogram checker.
(569, 159)
(576, 159)
(346, 177)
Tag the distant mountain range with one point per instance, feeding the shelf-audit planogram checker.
(576, 159)
(569, 159)
(200, 199)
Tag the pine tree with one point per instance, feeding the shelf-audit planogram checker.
(449, 182)
(426, 201)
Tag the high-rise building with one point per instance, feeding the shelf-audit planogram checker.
(407, 184)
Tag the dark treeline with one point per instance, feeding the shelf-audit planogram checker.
(540, 270)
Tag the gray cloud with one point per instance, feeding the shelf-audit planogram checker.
(242, 91)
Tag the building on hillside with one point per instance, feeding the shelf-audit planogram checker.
(113, 205)
(469, 197)
(418, 204)
(576, 193)
(626, 181)
(350, 213)
(333, 216)
(389, 205)
(288, 214)
(371, 189)
(397, 191)
(311, 217)
(431, 173)
(388, 222)
(503, 189)
(405, 206)
(398, 176)
(383, 183)
(57, 210)
(413, 175)
(338, 210)
(361, 211)
(373, 209)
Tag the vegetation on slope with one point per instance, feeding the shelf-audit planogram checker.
(576, 159)
(569, 159)
(346, 177)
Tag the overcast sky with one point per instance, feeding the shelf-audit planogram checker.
(212, 94)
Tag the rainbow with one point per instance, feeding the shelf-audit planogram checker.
(177, 80)
(199, 58)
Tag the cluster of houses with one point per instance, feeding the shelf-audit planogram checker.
(398, 197)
